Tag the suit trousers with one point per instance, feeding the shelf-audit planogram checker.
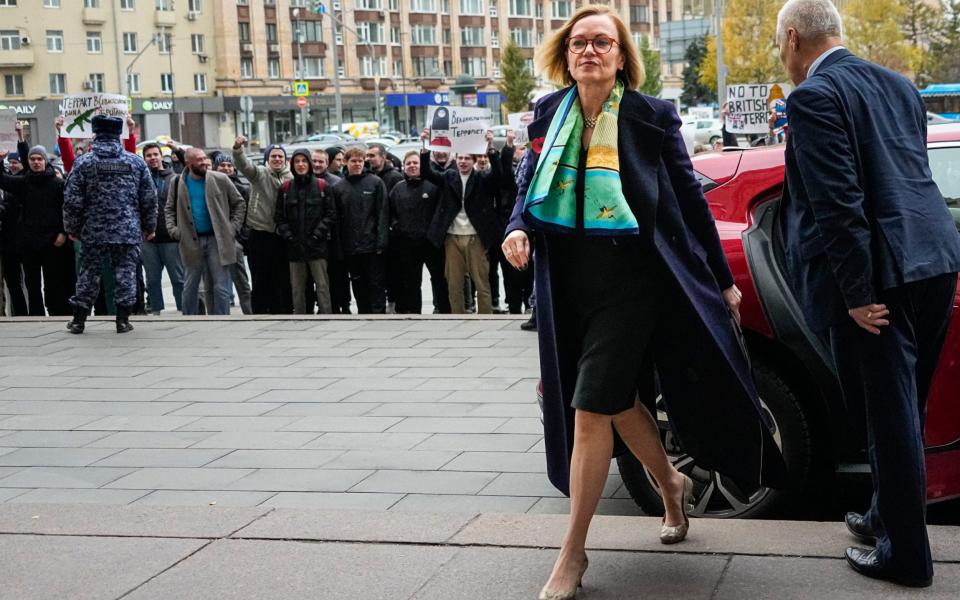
(890, 376)
(298, 281)
(465, 256)
(368, 276)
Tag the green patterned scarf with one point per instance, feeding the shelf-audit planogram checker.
(551, 202)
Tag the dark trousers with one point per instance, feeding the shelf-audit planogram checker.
(368, 276)
(493, 258)
(409, 258)
(339, 285)
(269, 274)
(517, 284)
(13, 278)
(58, 276)
(890, 375)
(124, 259)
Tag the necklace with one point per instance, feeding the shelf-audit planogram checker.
(590, 123)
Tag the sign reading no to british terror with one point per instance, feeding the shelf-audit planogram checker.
(747, 108)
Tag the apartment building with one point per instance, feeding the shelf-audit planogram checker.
(157, 52)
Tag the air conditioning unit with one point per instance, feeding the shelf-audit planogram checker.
(275, 48)
(192, 16)
(246, 47)
(203, 57)
(287, 88)
(25, 40)
(336, 4)
(87, 84)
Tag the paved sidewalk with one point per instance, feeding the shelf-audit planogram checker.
(144, 552)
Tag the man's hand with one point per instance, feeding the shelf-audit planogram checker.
(61, 240)
(149, 235)
(74, 237)
(870, 317)
(425, 135)
(732, 298)
(19, 129)
(58, 123)
(131, 124)
(489, 137)
(239, 142)
(3, 154)
(510, 137)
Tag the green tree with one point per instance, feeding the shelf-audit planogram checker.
(873, 32)
(922, 27)
(516, 81)
(652, 85)
(749, 32)
(694, 92)
(945, 47)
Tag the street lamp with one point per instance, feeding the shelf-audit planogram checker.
(153, 40)
(303, 109)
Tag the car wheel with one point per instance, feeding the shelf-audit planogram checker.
(714, 139)
(716, 495)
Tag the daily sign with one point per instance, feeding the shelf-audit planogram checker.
(747, 108)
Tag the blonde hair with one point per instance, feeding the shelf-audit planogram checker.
(551, 57)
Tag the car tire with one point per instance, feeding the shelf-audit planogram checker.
(792, 431)
(714, 139)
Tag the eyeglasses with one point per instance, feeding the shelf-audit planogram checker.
(601, 44)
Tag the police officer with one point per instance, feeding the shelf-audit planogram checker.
(110, 206)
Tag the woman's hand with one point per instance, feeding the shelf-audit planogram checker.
(516, 249)
(732, 297)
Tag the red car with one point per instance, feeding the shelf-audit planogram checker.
(821, 437)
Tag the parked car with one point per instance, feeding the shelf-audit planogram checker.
(935, 119)
(823, 440)
(705, 131)
(329, 139)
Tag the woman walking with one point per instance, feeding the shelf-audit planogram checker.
(629, 273)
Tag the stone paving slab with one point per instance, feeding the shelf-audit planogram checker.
(320, 525)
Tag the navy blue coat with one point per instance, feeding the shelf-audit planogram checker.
(862, 212)
(704, 376)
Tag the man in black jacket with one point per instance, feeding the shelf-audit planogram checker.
(12, 270)
(413, 202)
(305, 217)
(382, 167)
(363, 221)
(238, 270)
(162, 252)
(465, 223)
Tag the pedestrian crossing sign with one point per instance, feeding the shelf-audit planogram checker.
(301, 88)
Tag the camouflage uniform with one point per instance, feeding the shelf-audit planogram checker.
(109, 202)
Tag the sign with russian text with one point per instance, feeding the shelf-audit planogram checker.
(458, 129)
(8, 130)
(518, 123)
(78, 111)
(747, 108)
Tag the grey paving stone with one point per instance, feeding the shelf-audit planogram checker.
(203, 498)
(421, 409)
(522, 484)
(301, 480)
(480, 442)
(526, 409)
(33, 393)
(55, 457)
(343, 424)
(361, 441)
(391, 459)
(462, 503)
(397, 353)
(285, 383)
(327, 409)
(506, 462)
(84, 567)
(148, 439)
(169, 478)
(330, 362)
(51, 439)
(424, 482)
(104, 371)
(63, 477)
(606, 506)
(231, 395)
(276, 459)
(479, 396)
(78, 496)
(398, 396)
(45, 422)
(490, 352)
(442, 362)
(80, 407)
(152, 423)
(268, 570)
(291, 396)
(7, 493)
(448, 425)
(232, 424)
(162, 457)
(122, 395)
(522, 425)
(473, 383)
(223, 409)
(257, 440)
(53, 381)
(333, 501)
(375, 526)
(377, 384)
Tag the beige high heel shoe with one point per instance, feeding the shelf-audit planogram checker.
(568, 594)
(678, 533)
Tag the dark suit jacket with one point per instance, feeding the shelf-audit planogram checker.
(861, 212)
(480, 200)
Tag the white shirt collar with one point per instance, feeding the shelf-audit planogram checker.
(816, 64)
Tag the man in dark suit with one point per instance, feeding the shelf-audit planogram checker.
(872, 256)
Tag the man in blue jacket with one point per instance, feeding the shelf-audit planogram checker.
(872, 255)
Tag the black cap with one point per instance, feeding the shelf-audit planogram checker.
(105, 125)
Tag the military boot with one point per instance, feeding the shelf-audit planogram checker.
(79, 321)
(123, 319)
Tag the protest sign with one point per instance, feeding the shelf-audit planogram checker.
(458, 129)
(747, 108)
(79, 109)
(701, 113)
(8, 130)
(518, 123)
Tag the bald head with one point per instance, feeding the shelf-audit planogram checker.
(196, 161)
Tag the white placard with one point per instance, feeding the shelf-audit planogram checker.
(518, 123)
(747, 108)
(458, 129)
(79, 109)
(8, 130)
(701, 113)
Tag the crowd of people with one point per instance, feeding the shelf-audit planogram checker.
(345, 229)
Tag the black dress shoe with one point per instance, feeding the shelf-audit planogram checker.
(858, 526)
(865, 562)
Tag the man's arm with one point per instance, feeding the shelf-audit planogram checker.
(328, 222)
(73, 204)
(238, 208)
(427, 171)
(130, 144)
(251, 172)
(383, 218)
(280, 216)
(829, 170)
(148, 202)
(170, 208)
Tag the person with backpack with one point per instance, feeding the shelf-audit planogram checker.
(305, 217)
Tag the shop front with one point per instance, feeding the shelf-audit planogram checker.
(192, 121)
(277, 119)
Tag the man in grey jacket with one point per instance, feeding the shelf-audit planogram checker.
(266, 251)
(204, 212)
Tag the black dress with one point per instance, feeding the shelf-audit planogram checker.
(606, 296)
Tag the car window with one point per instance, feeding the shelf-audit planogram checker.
(945, 166)
(707, 183)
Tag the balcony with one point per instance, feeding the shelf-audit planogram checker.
(94, 16)
(369, 83)
(17, 58)
(164, 18)
(429, 83)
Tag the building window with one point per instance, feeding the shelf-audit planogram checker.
(164, 5)
(398, 68)
(196, 6)
(130, 42)
(126, 4)
(13, 84)
(520, 8)
(196, 43)
(493, 8)
(370, 31)
(94, 43)
(54, 40)
(372, 66)
(53, 3)
(97, 82)
(538, 10)
(311, 31)
(444, 7)
(471, 36)
(133, 83)
(395, 36)
(394, 5)
(563, 9)
(298, 3)
(91, 3)
(8, 3)
(314, 67)
(494, 39)
(423, 6)
(528, 62)
(426, 66)
(471, 7)
(423, 35)
(369, 5)
(243, 2)
(244, 31)
(164, 43)
(9, 39)
(522, 37)
(446, 37)
(639, 14)
(273, 68)
(474, 65)
(199, 83)
(166, 83)
(272, 32)
(448, 68)
(58, 84)
(341, 72)
(246, 69)
(495, 70)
